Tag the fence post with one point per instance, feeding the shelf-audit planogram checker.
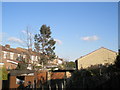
(56, 87)
(42, 87)
(83, 82)
(62, 86)
(49, 87)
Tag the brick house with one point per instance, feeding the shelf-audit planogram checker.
(10, 56)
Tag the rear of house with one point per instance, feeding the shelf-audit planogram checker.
(101, 56)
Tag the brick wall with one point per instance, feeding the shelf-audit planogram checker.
(29, 78)
(13, 82)
(57, 75)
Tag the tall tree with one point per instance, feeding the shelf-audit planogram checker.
(45, 44)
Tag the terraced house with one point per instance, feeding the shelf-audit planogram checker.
(11, 56)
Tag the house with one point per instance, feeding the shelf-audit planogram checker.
(101, 56)
(54, 64)
(56, 61)
(11, 56)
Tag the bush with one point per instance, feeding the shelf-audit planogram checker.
(80, 79)
(38, 67)
(3, 73)
(117, 61)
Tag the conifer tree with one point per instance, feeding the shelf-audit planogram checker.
(45, 44)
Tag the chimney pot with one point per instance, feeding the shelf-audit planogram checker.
(7, 46)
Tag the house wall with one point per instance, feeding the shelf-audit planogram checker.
(100, 56)
(42, 75)
(10, 65)
(57, 75)
(13, 82)
(12, 54)
(4, 54)
(41, 78)
(29, 78)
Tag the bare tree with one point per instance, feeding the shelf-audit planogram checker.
(27, 37)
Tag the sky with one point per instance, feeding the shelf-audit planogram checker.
(78, 27)
(59, 0)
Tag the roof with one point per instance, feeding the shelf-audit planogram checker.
(19, 50)
(19, 72)
(63, 70)
(97, 50)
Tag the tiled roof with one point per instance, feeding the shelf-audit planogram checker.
(19, 72)
(19, 50)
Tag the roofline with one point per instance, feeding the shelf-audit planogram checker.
(25, 51)
(94, 51)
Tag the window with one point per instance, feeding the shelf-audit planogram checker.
(5, 55)
(20, 79)
(8, 55)
(11, 55)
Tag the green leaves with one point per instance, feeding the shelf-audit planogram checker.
(45, 44)
(3, 73)
(70, 65)
(22, 65)
(52, 42)
(45, 31)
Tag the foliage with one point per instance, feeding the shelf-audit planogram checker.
(53, 68)
(45, 44)
(62, 67)
(3, 73)
(117, 61)
(21, 59)
(90, 78)
(22, 65)
(97, 70)
(80, 79)
(38, 67)
(70, 65)
(67, 65)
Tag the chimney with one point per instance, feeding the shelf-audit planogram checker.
(7, 46)
(30, 49)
